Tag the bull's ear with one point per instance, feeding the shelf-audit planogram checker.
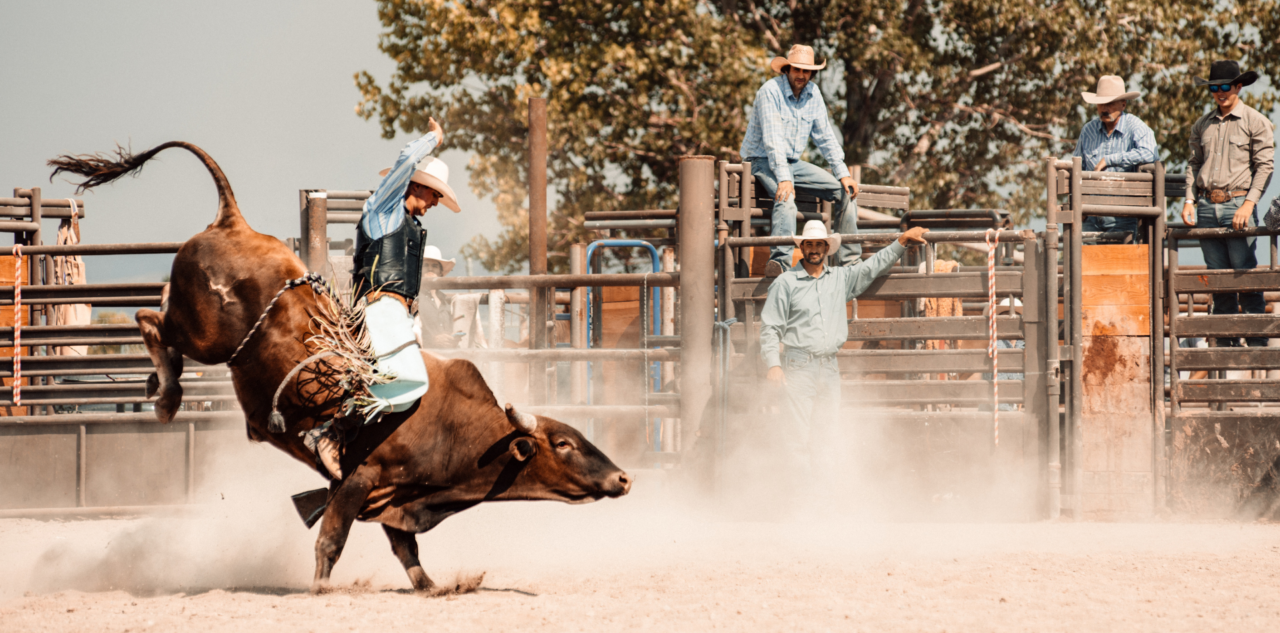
(522, 421)
(522, 448)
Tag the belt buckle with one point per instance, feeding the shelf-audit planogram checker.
(1218, 196)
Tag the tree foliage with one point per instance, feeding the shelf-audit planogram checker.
(957, 99)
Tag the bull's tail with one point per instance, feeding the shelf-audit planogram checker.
(103, 168)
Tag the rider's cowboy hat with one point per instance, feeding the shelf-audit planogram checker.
(1226, 72)
(800, 56)
(816, 230)
(432, 172)
(432, 254)
(1110, 88)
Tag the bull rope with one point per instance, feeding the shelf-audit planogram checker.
(17, 325)
(317, 285)
(992, 245)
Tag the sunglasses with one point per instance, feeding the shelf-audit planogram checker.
(1221, 88)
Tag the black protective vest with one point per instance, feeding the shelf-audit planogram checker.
(391, 263)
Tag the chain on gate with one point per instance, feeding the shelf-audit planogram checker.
(992, 246)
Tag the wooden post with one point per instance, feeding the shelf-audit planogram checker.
(538, 309)
(317, 238)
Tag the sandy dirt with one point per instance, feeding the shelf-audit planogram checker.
(639, 564)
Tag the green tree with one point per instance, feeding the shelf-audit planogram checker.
(957, 99)
(631, 86)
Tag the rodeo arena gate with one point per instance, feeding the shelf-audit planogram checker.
(1043, 370)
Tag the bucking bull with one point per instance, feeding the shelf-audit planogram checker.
(456, 448)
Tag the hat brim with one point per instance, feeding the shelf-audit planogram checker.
(1244, 79)
(833, 241)
(779, 62)
(1092, 97)
(446, 264)
(447, 197)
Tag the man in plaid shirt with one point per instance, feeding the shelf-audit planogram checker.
(788, 111)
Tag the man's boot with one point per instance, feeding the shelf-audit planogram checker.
(325, 442)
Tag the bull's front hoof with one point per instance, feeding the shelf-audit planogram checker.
(320, 587)
(167, 404)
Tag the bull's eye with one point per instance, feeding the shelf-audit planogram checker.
(563, 444)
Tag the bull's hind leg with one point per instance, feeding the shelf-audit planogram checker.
(405, 546)
(336, 524)
(168, 362)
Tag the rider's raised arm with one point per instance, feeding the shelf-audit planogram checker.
(384, 210)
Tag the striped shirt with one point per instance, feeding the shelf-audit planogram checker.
(808, 313)
(384, 211)
(781, 125)
(1129, 145)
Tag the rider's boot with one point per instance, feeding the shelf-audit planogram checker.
(396, 349)
(326, 442)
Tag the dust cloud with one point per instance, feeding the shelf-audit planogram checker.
(874, 503)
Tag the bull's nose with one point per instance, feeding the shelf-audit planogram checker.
(624, 482)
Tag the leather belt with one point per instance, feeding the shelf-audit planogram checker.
(808, 355)
(1219, 196)
(378, 294)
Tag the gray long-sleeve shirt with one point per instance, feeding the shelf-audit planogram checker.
(1235, 152)
(808, 313)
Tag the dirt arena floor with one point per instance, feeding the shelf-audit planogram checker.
(243, 562)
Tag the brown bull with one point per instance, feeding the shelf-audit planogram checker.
(456, 448)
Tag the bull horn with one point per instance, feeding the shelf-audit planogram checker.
(522, 421)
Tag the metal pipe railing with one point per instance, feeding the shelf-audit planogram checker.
(546, 281)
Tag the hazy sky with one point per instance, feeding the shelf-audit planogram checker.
(265, 87)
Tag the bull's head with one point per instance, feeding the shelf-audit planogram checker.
(560, 464)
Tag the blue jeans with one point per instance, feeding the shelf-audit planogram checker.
(814, 181)
(811, 416)
(1100, 224)
(1233, 253)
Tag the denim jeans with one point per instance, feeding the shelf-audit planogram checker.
(1233, 253)
(814, 181)
(1100, 224)
(809, 431)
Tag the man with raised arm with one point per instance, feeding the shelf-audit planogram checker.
(788, 111)
(1114, 141)
(1232, 157)
(804, 324)
(387, 275)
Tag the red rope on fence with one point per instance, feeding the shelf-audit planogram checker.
(992, 245)
(17, 325)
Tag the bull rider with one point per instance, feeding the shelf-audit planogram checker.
(387, 276)
(805, 313)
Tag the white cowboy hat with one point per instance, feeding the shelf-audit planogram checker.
(816, 230)
(1110, 88)
(1004, 307)
(800, 56)
(432, 254)
(432, 172)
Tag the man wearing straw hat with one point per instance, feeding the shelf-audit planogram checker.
(1232, 157)
(435, 309)
(387, 276)
(1114, 141)
(788, 112)
(804, 323)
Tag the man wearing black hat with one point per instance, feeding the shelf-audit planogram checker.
(1232, 156)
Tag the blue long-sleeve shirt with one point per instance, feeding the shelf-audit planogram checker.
(1129, 145)
(808, 313)
(781, 125)
(384, 211)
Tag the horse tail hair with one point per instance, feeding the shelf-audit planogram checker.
(103, 168)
